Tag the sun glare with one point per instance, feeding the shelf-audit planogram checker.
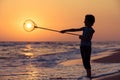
(29, 25)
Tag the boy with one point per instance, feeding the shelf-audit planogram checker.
(86, 37)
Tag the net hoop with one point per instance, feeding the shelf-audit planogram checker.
(29, 25)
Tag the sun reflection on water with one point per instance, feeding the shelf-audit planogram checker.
(27, 51)
(30, 55)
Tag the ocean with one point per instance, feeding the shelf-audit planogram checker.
(41, 60)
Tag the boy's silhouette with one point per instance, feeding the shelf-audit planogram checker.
(85, 46)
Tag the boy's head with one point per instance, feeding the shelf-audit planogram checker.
(89, 20)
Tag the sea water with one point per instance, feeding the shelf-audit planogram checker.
(41, 60)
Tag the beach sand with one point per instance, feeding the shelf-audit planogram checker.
(113, 57)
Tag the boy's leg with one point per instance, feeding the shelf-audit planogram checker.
(88, 73)
(86, 54)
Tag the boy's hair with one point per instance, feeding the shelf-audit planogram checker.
(90, 18)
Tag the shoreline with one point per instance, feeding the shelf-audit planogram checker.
(111, 57)
(79, 61)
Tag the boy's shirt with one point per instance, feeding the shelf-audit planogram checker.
(87, 36)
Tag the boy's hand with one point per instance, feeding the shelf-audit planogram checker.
(63, 31)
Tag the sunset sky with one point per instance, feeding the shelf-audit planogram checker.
(59, 15)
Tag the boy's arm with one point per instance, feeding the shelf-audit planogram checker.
(71, 30)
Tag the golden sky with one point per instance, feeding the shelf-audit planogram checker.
(58, 14)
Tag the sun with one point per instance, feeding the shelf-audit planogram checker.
(29, 25)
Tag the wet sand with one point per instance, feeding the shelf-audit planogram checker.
(113, 58)
(111, 77)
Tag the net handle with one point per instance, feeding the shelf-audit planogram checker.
(55, 30)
